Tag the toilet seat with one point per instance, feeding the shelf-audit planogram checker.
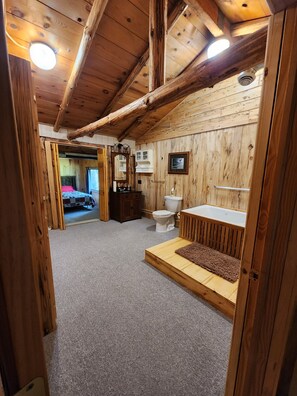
(162, 213)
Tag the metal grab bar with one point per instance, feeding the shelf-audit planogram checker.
(232, 188)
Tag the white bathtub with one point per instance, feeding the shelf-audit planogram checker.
(220, 214)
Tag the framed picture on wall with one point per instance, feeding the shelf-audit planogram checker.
(178, 163)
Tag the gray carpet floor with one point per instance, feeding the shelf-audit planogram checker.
(123, 327)
(77, 214)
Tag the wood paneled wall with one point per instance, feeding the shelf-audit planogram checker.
(218, 127)
(78, 168)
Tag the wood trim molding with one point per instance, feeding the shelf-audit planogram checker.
(246, 53)
(90, 29)
(103, 168)
(72, 143)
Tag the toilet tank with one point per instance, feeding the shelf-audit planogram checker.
(173, 203)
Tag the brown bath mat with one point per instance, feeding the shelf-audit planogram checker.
(219, 263)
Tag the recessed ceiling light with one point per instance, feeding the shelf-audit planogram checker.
(42, 56)
(217, 47)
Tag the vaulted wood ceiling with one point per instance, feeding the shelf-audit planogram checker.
(113, 74)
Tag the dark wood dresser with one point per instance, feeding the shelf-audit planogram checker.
(125, 206)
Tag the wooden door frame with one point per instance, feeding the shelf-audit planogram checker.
(54, 181)
(21, 347)
(103, 169)
(266, 300)
(103, 172)
(58, 185)
(30, 151)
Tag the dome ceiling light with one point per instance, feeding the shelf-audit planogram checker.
(42, 56)
(217, 47)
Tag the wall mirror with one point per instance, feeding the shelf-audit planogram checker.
(120, 167)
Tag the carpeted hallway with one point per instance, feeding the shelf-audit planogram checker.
(123, 327)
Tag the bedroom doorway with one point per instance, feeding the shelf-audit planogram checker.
(77, 177)
(79, 184)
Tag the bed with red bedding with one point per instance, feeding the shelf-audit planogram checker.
(72, 198)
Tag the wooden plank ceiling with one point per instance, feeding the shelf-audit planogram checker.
(120, 42)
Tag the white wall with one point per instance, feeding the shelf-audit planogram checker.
(46, 130)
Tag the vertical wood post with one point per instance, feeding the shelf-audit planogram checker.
(103, 167)
(27, 125)
(21, 348)
(57, 185)
(54, 180)
(157, 43)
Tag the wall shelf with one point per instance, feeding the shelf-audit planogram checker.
(144, 161)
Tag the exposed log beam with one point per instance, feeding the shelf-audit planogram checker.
(202, 56)
(279, 5)
(90, 29)
(157, 43)
(211, 16)
(246, 53)
(172, 18)
(248, 27)
(130, 128)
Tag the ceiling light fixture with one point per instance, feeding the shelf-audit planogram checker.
(42, 56)
(217, 47)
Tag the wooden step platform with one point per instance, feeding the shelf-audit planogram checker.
(217, 291)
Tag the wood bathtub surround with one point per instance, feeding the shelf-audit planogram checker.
(246, 53)
(226, 238)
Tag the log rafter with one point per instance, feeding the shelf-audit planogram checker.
(246, 53)
(237, 29)
(197, 60)
(248, 27)
(157, 43)
(212, 17)
(172, 18)
(89, 32)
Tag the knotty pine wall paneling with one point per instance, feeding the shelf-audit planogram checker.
(78, 168)
(218, 127)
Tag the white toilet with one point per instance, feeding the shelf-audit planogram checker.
(165, 218)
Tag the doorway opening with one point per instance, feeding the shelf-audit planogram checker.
(79, 177)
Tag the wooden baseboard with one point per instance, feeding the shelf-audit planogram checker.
(147, 213)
